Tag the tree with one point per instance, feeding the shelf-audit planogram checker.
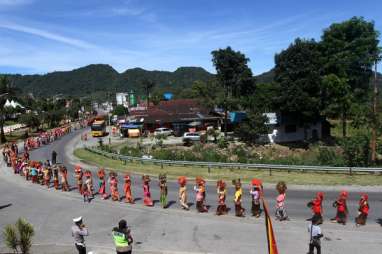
(19, 236)
(148, 86)
(120, 110)
(349, 50)
(298, 73)
(30, 119)
(234, 76)
(207, 93)
(252, 127)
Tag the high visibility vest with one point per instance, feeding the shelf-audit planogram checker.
(120, 239)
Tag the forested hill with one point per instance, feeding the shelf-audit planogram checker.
(100, 78)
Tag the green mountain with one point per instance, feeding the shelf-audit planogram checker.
(101, 79)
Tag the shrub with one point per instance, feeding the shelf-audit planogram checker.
(222, 143)
(19, 236)
(356, 151)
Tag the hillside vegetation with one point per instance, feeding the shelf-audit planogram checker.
(101, 78)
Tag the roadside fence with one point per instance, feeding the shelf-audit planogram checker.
(211, 165)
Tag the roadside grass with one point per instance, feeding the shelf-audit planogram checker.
(173, 172)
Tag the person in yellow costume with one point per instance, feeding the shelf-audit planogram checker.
(239, 210)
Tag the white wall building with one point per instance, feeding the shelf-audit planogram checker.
(122, 99)
(287, 130)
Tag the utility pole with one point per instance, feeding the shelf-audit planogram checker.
(373, 142)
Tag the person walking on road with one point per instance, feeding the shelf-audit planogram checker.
(315, 233)
(78, 232)
(122, 238)
(54, 157)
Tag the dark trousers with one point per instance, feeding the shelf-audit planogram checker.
(312, 246)
(126, 252)
(81, 249)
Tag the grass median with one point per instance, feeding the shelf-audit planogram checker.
(298, 178)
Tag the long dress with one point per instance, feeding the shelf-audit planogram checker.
(200, 197)
(363, 212)
(256, 211)
(280, 207)
(163, 194)
(127, 190)
(342, 211)
(239, 210)
(147, 195)
(222, 207)
(102, 188)
(183, 197)
(114, 189)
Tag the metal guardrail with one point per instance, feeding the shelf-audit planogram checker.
(210, 165)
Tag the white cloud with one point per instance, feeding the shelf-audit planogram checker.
(47, 35)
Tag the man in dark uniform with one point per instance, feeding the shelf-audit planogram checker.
(54, 157)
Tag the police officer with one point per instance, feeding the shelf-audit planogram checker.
(78, 232)
(122, 238)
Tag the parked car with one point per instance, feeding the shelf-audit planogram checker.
(191, 136)
(163, 131)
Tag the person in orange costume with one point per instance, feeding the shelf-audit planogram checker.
(127, 190)
(113, 182)
(55, 178)
(146, 191)
(363, 210)
(64, 179)
(79, 175)
(200, 190)
(182, 194)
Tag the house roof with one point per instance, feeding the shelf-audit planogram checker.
(173, 111)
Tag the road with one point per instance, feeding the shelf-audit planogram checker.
(173, 230)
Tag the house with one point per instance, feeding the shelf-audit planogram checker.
(288, 128)
(180, 115)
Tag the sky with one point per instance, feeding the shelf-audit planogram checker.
(40, 36)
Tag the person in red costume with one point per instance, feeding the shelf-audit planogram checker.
(146, 191)
(316, 206)
(363, 210)
(342, 209)
(127, 189)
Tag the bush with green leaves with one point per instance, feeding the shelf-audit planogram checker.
(356, 151)
(18, 237)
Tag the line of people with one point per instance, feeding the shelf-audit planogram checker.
(43, 173)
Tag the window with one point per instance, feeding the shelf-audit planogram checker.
(290, 128)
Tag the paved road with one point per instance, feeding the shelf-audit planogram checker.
(172, 230)
(296, 199)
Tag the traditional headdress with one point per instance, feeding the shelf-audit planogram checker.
(220, 184)
(126, 177)
(281, 187)
(236, 182)
(182, 180)
(162, 177)
(88, 173)
(199, 181)
(344, 195)
(101, 173)
(146, 178)
(365, 197)
(320, 196)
